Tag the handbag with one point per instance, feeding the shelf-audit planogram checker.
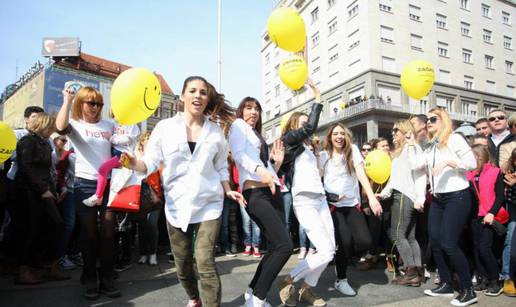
(126, 198)
(150, 200)
(331, 197)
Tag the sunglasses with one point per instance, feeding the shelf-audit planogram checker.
(493, 118)
(94, 104)
(366, 149)
(432, 119)
(395, 130)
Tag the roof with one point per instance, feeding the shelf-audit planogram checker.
(103, 67)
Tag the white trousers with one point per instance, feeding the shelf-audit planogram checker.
(313, 214)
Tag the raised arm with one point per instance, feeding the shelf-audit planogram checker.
(63, 116)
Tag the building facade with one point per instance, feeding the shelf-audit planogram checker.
(356, 50)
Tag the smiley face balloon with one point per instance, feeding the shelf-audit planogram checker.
(135, 95)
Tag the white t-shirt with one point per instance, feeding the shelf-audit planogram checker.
(306, 174)
(337, 178)
(125, 137)
(92, 146)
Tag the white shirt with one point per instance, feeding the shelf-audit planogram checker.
(245, 149)
(408, 175)
(191, 182)
(497, 139)
(306, 174)
(92, 146)
(337, 178)
(450, 179)
(124, 137)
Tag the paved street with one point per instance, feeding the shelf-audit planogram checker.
(158, 286)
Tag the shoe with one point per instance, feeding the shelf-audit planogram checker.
(474, 280)
(494, 288)
(92, 292)
(253, 301)
(466, 297)
(77, 259)
(508, 288)
(390, 264)
(481, 286)
(153, 259)
(248, 293)
(443, 289)
(27, 276)
(343, 287)
(256, 252)
(411, 278)
(287, 291)
(312, 251)
(302, 253)
(54, 273)
(247, 250)
(108, 289)
(92, 201)
(365, 265)
(234, 249)
(142, 260)
(308, 296)
(194, 303)
(122, 266)
(228, 253)
(66, 264)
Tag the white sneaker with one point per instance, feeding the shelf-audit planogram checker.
(427, 274)
(248, 293)
(66, 264)
(153, 260)
(143, 259)
(253, 301)
(343, 287)
(92, 201)
(302, 253)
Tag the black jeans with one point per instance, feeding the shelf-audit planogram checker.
(448, 215)
(485, 260)
(267, 211)
(350, 231)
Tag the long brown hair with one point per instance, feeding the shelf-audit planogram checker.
(445, 130)
(85, 94)
(509, 167)
(292, 123)
(243, 104)
(347, 149)
(482, 155)
(404, 127)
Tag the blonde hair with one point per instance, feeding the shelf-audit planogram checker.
(292, 123)
(41, 124)
(141, 139)
(405, 126)
(445, 129)
(512, 120)
(85, 94)
(347, 149)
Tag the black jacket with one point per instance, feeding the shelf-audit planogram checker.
(34, 157)
(495, 150)
(293, 141)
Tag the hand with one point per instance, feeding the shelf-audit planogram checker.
(510, 179)
(488, 219)
(378, 196)
(267, 178)
(68, 95)
(375, 206)
(419, 207)
(438, 169)
(48, 194)
(315, 89)
(278, 152)
(239, 198)
(128, 160)
(367, 211)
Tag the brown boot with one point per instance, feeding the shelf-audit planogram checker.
(411, 278)
(391, 266)
(26, 276)
(421, 273)
(508, 288)
(54, 273)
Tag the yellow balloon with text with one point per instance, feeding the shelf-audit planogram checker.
(286, 29)
(135, 95)
(7, 142)
(417, 78)
(378, 166)
(293, 72)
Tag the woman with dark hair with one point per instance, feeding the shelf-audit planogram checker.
(448, 158)
(195, 179)
(260, 185)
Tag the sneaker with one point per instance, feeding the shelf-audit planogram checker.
(465, 298)
(302, 253)
(308, 296)
(343, 287)
(123, 266)
(92, 293)
(77, 259)
(256, 252)
(481, 286)
(248, 293)
(153, 259)
(194, 303)
(109, 290)
(287, 291)
(508, 288)
(234, 249)
(247, 250)
(229, 254)
(142, 260)
(92, 201)
(66, 264)
(253, 301)
(443, 289)
(494, 288)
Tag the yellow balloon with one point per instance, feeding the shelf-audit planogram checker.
(293, 71)
(135, 95)
(378, 166)
(343, 105)
(417, 78)
(286, 29)
(7, 141)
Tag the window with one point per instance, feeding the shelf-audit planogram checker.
(315, 39)
(316, 69)
(491, 86)
(352, 12)
(488, 108)
(277, 130)
(508, 67)
(444, 76)
(440, 21)
(469, 108)
(464, 4)
(331, 3)
(334, 57)
(388, 64)
(386, 34)
(464, 28)
(507, 42)
(268, 132)
(487, 36)
(466, 56)
(332, 26)
(267, 58)
(354, 62)
(486, 10)
(442, 49)
(444, 103)
(415, 42)
(315, 14)
(510, 91)
(385, 5)
(289, 103)
(468, 82)
(506, 18)
(276, 110)
(414, 12)
(353, 45)
(489, 61)
(276, 91)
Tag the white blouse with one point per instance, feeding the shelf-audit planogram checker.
(306, 174)
(245, 149)
(191, 181)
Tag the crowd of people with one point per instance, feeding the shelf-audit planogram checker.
(214, 186)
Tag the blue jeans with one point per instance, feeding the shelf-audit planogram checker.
(251, 230)
(506, 255)
(446, 220)
(228, 227)
(303, 238)
(67, 208)
(287, 202)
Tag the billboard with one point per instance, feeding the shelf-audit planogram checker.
(61, 46)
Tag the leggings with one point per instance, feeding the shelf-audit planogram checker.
(267, 211)
(104, 170)
(403, 229)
